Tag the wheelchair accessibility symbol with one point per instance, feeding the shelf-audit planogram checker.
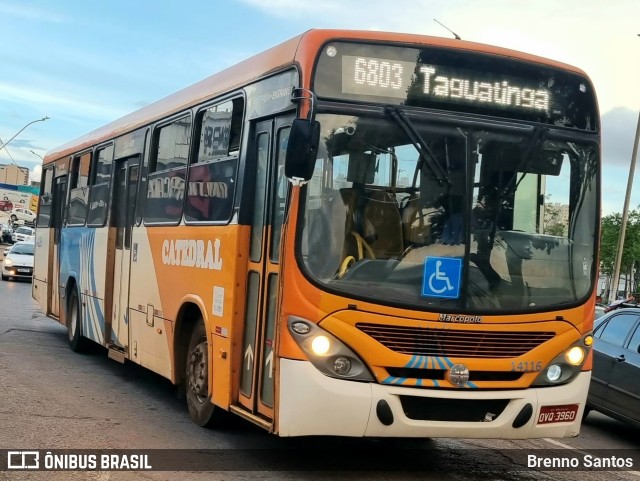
(442, 277)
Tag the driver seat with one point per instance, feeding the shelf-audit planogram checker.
(382, 225)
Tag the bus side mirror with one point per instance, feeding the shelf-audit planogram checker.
(302, 149)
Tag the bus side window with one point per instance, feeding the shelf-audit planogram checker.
(46, 190)
(79, 190)
(167, 172)
(210, 190)
(211, 184)
(100, 182)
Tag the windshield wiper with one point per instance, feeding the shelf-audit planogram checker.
(426, 155)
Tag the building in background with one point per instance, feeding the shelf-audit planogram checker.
(14, 175)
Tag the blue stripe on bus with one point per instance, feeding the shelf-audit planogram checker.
(77, 254)
(422, 362)
(413, 361)
(394, 380)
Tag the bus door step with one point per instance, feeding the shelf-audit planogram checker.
(256, 419)
(117, 353)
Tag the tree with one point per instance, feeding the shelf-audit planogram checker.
(553, 223)
(609, 238)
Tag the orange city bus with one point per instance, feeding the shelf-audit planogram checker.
(352, 233)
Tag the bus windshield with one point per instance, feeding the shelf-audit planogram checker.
(393, 195)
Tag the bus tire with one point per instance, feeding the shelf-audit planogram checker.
(77, 342)
(201, 409)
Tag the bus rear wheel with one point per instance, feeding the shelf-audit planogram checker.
(77, 342)
(201, 410)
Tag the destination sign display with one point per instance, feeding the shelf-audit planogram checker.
(457, 80)
(389, 78)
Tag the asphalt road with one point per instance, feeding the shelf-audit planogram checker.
(53, 399)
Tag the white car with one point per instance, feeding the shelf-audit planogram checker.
(21, 213)
(18, 263)
(22, 234)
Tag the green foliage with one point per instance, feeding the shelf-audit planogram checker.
(611, 226)
(552, 222)
(555, 229)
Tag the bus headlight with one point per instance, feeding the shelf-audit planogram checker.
(320, 345)
(326, 352)
(342, 365)
(565, 366)
(575, 355)
(554, 372)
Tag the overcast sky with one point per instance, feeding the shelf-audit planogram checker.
(86, 63)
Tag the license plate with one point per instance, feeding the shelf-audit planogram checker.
(558, 414)
(24, 270)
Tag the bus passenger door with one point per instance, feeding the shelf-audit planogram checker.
(256, 388)
(123, 214)
(58, 201)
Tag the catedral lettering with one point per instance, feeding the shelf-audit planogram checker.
(166, 188)
(209, 189)
(192, 253)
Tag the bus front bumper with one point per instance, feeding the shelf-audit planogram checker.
(311, 403)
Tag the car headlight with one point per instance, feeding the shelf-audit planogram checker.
(8, 262)
(326, 352)
(566, 365)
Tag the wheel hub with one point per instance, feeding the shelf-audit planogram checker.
(198, 378)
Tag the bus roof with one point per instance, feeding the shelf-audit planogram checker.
(300, 50)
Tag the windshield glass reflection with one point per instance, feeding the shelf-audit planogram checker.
(433, 216)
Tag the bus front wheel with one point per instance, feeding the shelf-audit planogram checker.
(201, 410)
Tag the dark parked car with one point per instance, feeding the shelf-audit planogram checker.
(615, 380)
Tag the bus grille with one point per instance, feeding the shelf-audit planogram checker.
(450, 343)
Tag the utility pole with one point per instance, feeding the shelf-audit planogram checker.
(613, 292)
(4, 144)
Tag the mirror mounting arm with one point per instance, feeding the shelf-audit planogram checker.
(299, 94)
(297, 181)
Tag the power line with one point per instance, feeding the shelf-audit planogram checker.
(8, 153)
